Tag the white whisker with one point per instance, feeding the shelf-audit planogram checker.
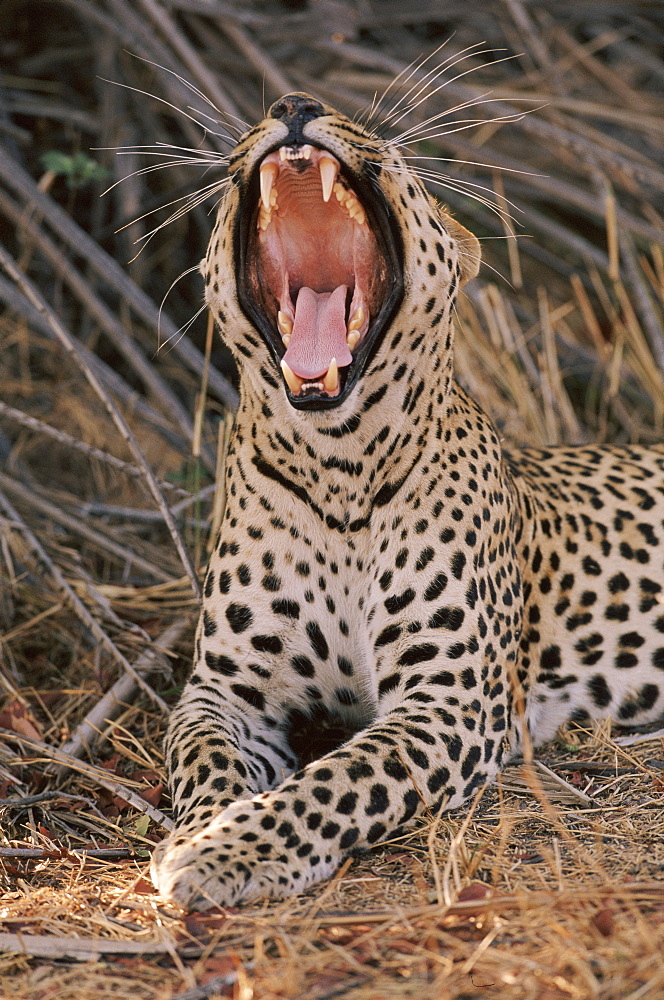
(414, 66)
(182, 331)
(173, 107)
(425, 93)
(242, 125)
(471, 163)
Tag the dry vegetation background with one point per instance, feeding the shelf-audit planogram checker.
(550, 887)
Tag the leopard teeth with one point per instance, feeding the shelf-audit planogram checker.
(329, 169)
(331, 377)
(341, 194)
(357, 319)
(295, 152)
(268, 175)
(285, 324)
(293, 381)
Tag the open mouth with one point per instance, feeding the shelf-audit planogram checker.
(319, 271)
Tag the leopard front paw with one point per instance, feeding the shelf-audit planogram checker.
(221, 866)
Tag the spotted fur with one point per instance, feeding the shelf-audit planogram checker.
(387, 579)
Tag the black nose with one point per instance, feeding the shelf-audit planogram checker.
(295, 110)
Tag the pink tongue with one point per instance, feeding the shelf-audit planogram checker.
(319, 333)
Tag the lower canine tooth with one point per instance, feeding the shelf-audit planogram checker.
(331, 380)
(292, 381)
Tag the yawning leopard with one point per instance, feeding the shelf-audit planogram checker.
(392, 596)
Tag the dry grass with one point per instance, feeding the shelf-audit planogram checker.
(548, 887)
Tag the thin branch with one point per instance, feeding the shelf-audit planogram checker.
(77, 526)
(109, 271)
(14, 523)
(96, 774)
(71, 346)
(107, 708)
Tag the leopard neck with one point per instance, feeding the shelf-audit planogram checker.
(345, 462)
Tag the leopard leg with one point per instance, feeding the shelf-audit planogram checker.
(282, 840)
(215, 757)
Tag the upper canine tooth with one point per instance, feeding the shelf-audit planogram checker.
(328, 175)
(292, 380)
(268, 174)
(331, 379)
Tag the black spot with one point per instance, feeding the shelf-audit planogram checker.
(286, 606)
(388, 684)
(599, 691)
(437, 779)
(375, 832)
(221, 664)
(457, 564)
(348, 838)
(591, 566)
(398, 602)
(418, 654)
(239, 617)
(550, 658)
(346, 804)
(378, 800)
(447, 618)
(303, 666)
(394, 769)
(209, 624)
(359, 769)
(267, 643)
(626, 660)
(249, 694)
(436, 587)
(388, 635)
(617, 583)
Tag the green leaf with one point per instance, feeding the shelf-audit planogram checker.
(78, 170)
(142, 825)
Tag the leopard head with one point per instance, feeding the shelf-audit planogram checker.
(326, 242)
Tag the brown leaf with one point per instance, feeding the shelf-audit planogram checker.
(200, 925)
(476, 890)
(143, 887)
(153, 795)
(19, 719)
(603, 922)
(144, 774)
(111, 764)
(217, 965)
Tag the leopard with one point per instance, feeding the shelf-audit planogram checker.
(395, 602)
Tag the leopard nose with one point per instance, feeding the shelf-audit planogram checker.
(295, 110)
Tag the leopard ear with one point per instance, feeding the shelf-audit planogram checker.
(470, 253)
